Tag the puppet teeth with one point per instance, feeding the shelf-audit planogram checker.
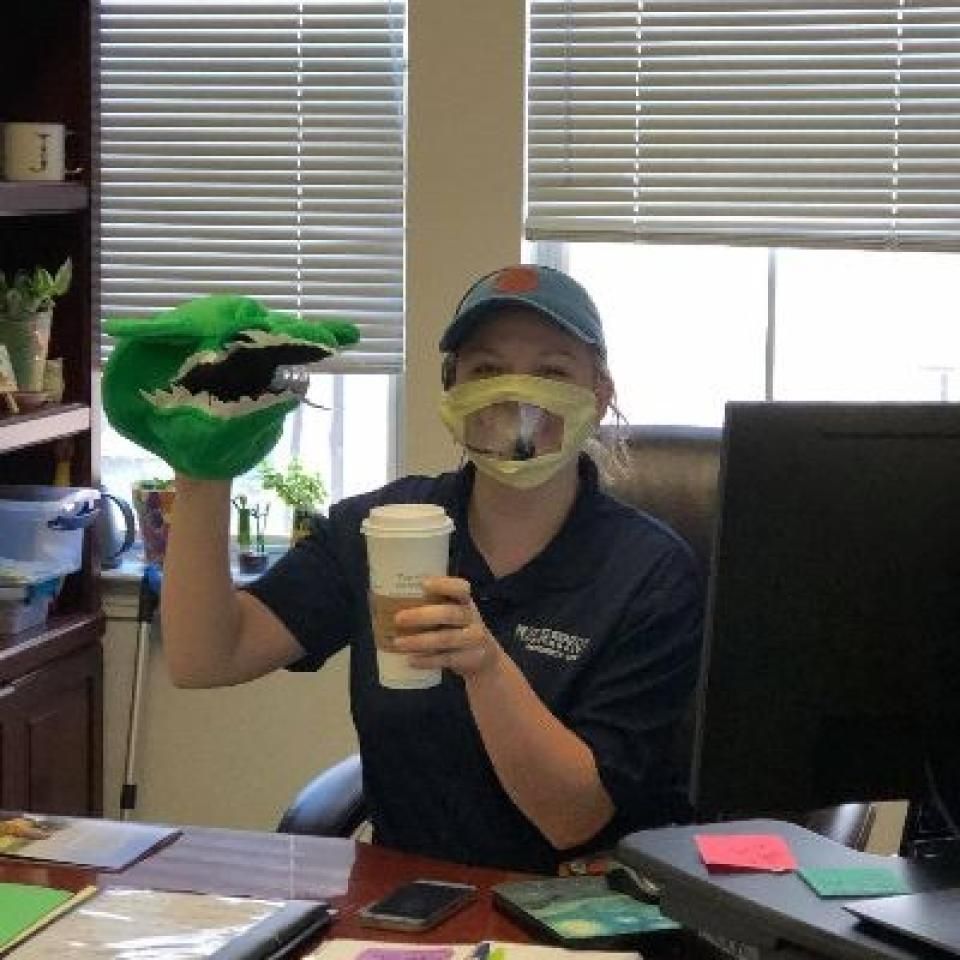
(179, 397)
(198, 359)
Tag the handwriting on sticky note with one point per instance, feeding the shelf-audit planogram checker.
(746, 851)
(405, 953)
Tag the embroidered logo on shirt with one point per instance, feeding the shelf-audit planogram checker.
(551, 643)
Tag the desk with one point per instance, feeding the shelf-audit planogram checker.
(276, 865)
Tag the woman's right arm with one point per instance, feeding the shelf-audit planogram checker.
(213, 635)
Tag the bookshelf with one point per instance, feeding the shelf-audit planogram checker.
(51, 676)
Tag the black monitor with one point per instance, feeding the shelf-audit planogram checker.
(832, 652)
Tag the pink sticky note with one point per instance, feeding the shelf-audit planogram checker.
(745, 852)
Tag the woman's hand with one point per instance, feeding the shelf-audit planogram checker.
(447, 631)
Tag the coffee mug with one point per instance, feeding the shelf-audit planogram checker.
(34, 151)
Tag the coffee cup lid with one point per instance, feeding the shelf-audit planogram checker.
(407, 520)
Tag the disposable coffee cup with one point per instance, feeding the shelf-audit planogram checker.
(406, 542)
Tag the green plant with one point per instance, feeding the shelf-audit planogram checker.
(30, 293)
(156, 483)
(295, 486)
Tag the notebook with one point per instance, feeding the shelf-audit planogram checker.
(582, 912)
(26, 908)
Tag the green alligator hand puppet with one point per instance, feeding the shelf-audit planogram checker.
(197, 384)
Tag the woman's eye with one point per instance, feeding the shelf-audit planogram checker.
(553, 373)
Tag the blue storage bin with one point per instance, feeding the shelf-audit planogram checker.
(46, 524)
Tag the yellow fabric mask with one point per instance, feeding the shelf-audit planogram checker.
(517, 429)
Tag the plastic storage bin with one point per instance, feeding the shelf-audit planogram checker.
(18, 615)
(46, 524)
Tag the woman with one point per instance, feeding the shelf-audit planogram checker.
(568, 627)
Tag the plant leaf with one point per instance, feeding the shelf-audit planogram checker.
(61, 282)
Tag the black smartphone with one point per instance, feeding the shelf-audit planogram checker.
(418, 905)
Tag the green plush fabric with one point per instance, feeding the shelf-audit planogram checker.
(193, 384)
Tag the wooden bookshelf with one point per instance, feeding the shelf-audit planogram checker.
(50, 677)
(41, 426)
(37, 199)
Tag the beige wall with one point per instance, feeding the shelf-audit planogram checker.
(232, 757)
(464, 185)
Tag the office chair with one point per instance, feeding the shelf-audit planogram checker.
(670, 473)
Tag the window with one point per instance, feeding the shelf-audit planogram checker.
(796, 165)
(689, 328)
(257, 148)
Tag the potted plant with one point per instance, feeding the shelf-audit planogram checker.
(252, 550)
(299, 489)
(26, 309)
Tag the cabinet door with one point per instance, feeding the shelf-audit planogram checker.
(50, 737)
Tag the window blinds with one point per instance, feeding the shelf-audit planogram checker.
(256, 148)
(772, 122)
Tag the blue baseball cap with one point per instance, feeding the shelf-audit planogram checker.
(554, 295)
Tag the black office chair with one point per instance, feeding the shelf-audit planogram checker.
(669, 472)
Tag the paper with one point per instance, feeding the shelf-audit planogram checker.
(106, 844)
(766, 852)
(853, 882)
(342, 949)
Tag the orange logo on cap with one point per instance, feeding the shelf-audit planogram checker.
(517, 280)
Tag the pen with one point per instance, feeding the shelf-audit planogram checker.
(481, 951)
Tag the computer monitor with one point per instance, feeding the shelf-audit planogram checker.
(831, 668)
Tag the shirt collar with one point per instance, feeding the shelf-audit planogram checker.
(561, 564)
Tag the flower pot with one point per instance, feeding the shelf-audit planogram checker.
(27, 342)
(301, 524)
(154, 509)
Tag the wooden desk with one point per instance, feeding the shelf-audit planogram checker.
(276, 865)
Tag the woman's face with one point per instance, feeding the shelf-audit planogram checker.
(519, 341)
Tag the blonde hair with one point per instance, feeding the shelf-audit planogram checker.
(608, 449)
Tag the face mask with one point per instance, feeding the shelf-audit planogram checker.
(519, 430)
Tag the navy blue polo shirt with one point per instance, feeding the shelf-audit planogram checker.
(605, 623)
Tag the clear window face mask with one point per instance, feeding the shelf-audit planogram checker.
(512, 430)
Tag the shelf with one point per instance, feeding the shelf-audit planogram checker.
(39, 426)
(60, 635)
(19, 199)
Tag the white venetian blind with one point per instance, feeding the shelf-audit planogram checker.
(780, 122)
(256, 148)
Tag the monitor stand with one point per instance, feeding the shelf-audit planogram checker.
(927, 835)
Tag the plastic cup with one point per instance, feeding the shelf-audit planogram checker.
(406, 542)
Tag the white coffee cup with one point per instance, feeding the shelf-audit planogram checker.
(34, 151)
(406, 542)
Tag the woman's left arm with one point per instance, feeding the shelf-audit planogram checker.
(545, 768)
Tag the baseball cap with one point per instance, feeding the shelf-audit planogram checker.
(552, 293)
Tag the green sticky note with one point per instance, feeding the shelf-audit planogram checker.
(22, 905)
(854, 881)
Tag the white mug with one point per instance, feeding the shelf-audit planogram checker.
(34, 151)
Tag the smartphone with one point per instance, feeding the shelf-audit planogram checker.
(418, 905)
